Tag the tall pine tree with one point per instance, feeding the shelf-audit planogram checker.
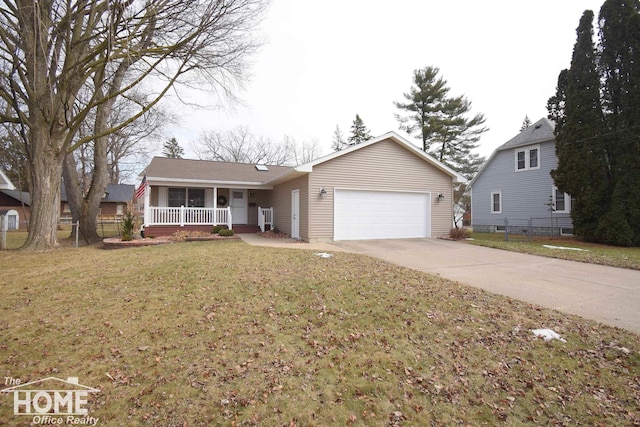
(577, 110)
(172, 149)
(597, 114)
(620, 67)
(441, 121)
(359, 132)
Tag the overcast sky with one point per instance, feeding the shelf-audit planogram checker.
(326, 61)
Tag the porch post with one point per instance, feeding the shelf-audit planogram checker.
(181, 215)
(146, 211)
(215, 206)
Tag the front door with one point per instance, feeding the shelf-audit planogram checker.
(295, 214)
(238, 205)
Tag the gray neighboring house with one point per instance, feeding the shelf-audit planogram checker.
(515, 187)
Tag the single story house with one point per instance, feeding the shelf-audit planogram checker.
(382, 188)
(114, 203)
(514, 189)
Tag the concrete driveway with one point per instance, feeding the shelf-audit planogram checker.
(606, 294)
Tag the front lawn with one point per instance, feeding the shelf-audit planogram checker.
(223, 333)
(590, 252)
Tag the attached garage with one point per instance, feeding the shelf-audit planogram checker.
(363, 214)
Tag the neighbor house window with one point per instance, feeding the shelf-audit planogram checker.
(496, 202)
(561, 201)
(527, 158)
(119, 209)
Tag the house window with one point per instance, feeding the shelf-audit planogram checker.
(66, 208)
(177, 197)
(521, 161)
(119, 209)
(527, 158)
(561, 201)
(533, 158)
(190, 197)
(496, 202)
(196, 197)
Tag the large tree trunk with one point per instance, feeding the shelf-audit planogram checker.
(74, 190)
(45, 171)
(85, 208)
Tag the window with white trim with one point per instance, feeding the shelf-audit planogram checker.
(527, 158)
(496, 202)
(561, 201)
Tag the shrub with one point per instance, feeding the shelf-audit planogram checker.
(128, 223)
(225, 232)
(459, 233)
(217, 228)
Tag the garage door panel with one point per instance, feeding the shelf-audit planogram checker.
(360, 215)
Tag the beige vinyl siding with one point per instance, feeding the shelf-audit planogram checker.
(381, 166)
(280, 199)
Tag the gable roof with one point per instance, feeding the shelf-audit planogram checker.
(5, 182)
(167, 170)
(308, 167)
(113, 193)
(540, 131)
(164, 169)
(20, 196)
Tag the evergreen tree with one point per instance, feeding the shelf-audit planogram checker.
(359, 132)
(338, 142)
(597, 114)
(578, 112)
(620, 72)
(172, 149)
(525, 123)
(441, 121)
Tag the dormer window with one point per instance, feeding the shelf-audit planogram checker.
(527, 158)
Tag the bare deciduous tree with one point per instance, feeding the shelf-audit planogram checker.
(241, 146)
(50, 52)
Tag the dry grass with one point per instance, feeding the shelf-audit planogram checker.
(592, 253)
(222, 333)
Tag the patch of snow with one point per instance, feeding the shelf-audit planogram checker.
(323, 255)
(547, 334)
(564, 248)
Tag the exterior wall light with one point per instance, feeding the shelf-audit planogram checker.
(440, 197)
(323, 193)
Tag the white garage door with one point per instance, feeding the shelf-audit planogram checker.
(360, 215)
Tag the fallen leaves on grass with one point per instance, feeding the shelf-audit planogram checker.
(236, 335)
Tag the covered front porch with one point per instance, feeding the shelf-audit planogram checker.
(171, 209)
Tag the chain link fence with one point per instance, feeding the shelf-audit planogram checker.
(525, 229)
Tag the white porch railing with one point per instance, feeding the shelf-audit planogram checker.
(189, 216)
(265, 217)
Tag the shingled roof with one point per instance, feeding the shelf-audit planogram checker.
(540, 131)
(164, 169)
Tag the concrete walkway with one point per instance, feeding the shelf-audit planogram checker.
(606, 294)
